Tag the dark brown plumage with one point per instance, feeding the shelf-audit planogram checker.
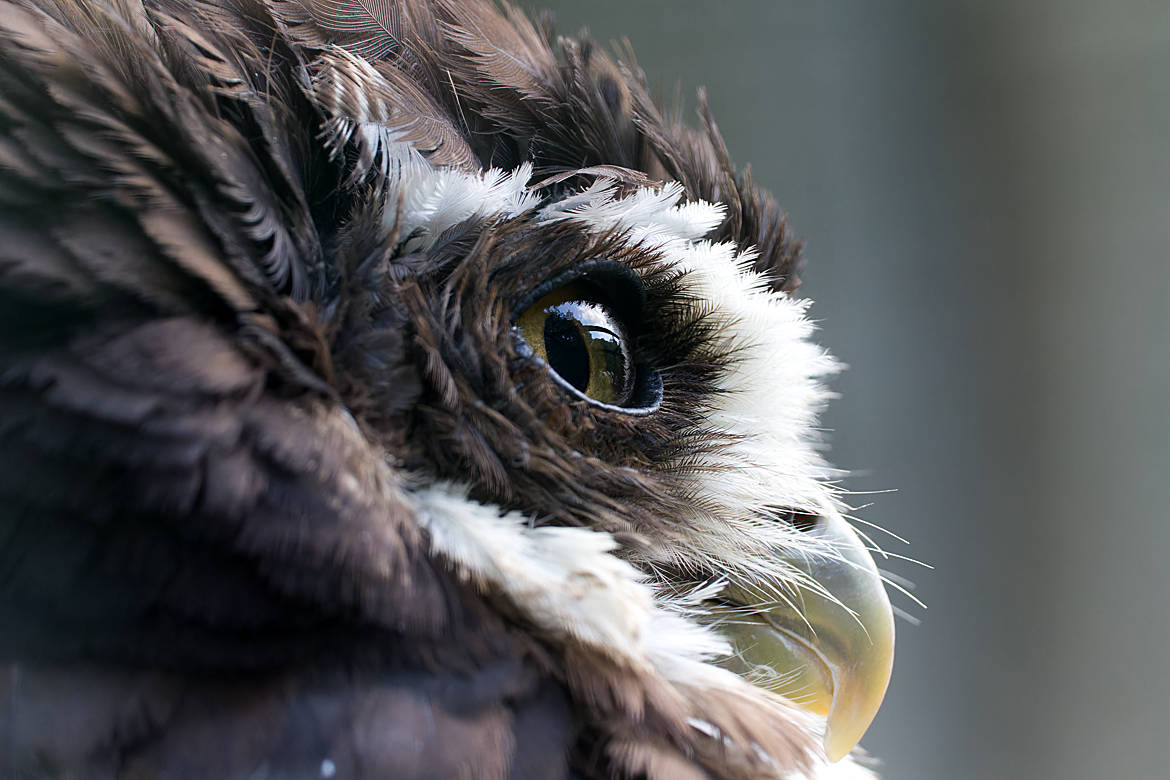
(229, 365)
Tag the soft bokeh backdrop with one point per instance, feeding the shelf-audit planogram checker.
(985, 192)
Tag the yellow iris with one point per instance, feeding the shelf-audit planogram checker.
(583, 342)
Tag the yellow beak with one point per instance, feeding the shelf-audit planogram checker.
(831, 648)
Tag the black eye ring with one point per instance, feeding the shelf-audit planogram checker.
(584, 325)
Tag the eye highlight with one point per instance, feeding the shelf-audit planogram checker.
(583, 341)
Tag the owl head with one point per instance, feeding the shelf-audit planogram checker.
(390, 390)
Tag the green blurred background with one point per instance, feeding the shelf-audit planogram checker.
(985, 192)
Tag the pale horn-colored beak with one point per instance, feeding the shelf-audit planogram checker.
(831, 649)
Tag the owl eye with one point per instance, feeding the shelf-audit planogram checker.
(585, 336)
(583, 342)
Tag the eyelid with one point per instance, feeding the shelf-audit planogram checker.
(619, 284)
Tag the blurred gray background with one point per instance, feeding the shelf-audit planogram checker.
(985, 192)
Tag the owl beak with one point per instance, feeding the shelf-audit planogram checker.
(830, 649)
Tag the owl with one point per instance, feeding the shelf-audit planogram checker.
(390, 389)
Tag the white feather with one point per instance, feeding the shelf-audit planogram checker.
(435, 200)
(565, 578)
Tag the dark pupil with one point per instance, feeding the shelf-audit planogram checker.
(567, 353)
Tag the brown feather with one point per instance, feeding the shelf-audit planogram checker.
(373, 108)
(369, 28)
